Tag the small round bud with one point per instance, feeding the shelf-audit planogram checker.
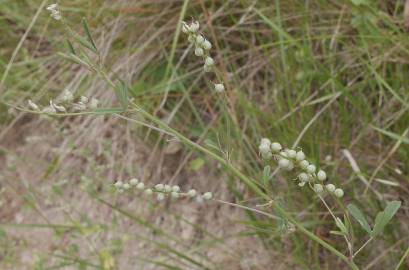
(321, 175)
(219, 87)
(339, 193)
(311, 168)
(303, 177)
(83, 99)
(175, 188)
(207, 196)
(159, 187)
(94, 103)
(174, 195)
(140, 185)
(265, 141)
(126, 186)
(264, 148)
(194, 26)
(318, 188)
(330, 187)
(67, 96)
(290, 166)
(304, 164)
(283, 163)
(266, 155)
(33, 106)
(209, 61)
(276, 147)
(167, 188)
(300, 156)
(191, 193)
(206, 45)
(207, 68)
(291, 153)
(199, 39)
(148, 191)
(160, 197)
(199, 51)
(133, 182)
(118, 184)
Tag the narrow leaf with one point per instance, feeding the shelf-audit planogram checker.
(392, 135)
(121, 92)
(88, 33)
(341, 226)
(71, 47)
(359, 216)
(384, 217)
(266, 174)
(108, 110)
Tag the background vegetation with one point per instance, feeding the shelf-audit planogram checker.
(330, 76)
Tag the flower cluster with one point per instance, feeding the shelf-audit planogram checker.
(288, 159)
(202, 48)
(55, 12)
(66, 104)
(161, 190)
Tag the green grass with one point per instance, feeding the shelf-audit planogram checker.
(321, 76)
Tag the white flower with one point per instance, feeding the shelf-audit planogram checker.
(49, 109)
(58, 107)
(174, 195)
(291, 153)
(318, 188)
(199, 51)
(284, 163)
(194, 27)
(321, 175)
(191, 193)
(207, 196)
(133, 182)
(330, 187)
(303, 177)
(304, 164)
(140, 186)
(126, 186)
(84, 99)
(199, 40)
(159, 187)
(276, 147)
(55, 12)
(300, 156)
(94, 103)
(160, 197)
(67, 96)
(339, 193)
(167, 188)
(219, 87)
(79, 106)
(265, 141)
(207, 68)
(209, 61)
(175, 188)
(32, 105)
(206, 45)
(311, 168)
(148, 191)
(118, 184)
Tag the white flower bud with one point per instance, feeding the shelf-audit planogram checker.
(167, 188)
(330, 187)
(265, 141)
(318, 188)
(207, 196)
(175, 188)
(49, 109)
(291, 153)
(199, 40)
(207, 68)
(174, 195)
(290, 166)
(339, 193)
(191, 193)
(300, 156)
(94, 103)
(84, 99)
(67, 96)
(266, 155)
(209, 61)
(58, 107)
(303, 177)
(148, 191)
(304, 164)
(159, 187)
(311, 168)
(219, 87)
(133, 182)
(118, 184)
(32, 105)
(284, 163)
(140, 186)
(199, 51)
(276, 147)
(160, 197)
(185, 27)
(321, 175)
(126, 186)
(194, 27)
(206, 45)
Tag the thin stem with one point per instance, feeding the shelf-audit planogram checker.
(362, 247)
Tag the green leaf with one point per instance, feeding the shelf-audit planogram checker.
(384, 217)
(88, 33)
(359, 216)
(71, 47)
(121, 92)
(359, 2)
(392, 135)
(266, 174)
(341, 226)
